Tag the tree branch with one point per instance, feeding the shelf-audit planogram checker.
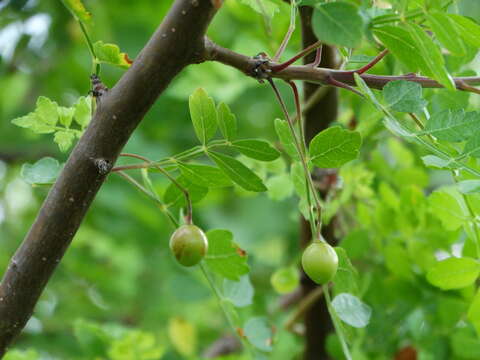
(177, 43)
(322, 76)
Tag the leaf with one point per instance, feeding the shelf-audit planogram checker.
(433, 59)
(47, 110)
(204, 175)
(352, 310)
(240, 293)
(279, 187)
(256, 149)
(266, 8)
(78, 10)
(285, 280)
(174, 196)
(286, 138)
(239, 173)
(468, 29)
(183, 336)
(447, 32)
(334, 147)
(404, 96)
(224, 256)
(401, 45)
(227, 122)
(338, 23)
(65, 115)
(203, 114)
(449, 207)
(454, 273)
(474, 312)
(83, 111)
(452, 125)
(469, 186)
(64, 139)
(437, 162)
(110, 54)
(44, 171)
(259, 333)
(472, 147)
(346, 278)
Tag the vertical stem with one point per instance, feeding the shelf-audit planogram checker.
(336, 324)
(219, 298)
(291, 29)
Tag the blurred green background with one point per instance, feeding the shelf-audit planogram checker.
(118, 276)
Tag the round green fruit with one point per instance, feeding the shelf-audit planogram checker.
(320, 262)
(189, 245)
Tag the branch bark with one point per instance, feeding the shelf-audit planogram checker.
(177, 43)
(321, 75)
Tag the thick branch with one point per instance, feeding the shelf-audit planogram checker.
(320, 75)
(176, 43)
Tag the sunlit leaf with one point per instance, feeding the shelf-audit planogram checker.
(454, 273)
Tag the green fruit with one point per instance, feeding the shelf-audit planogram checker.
(320, 262)
(189, 245)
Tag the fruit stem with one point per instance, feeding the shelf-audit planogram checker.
(219, 298)
(336, 324)
(188, 216)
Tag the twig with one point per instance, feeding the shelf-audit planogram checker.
(303, 307)
(372, 63)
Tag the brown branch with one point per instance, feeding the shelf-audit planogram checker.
(322, 76)
(177, 43)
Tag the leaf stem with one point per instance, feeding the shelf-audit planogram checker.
(336, 324)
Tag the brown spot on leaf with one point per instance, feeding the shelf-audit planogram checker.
(240, 332)
(127, 59)
(217, 4)
(241, 252)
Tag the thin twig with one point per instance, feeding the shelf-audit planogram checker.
(372, 63)
(288, 35)
(304, 52)
(188, 217)
(303, 307)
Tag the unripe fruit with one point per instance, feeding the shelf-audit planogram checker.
(189, 245)
(320, 262)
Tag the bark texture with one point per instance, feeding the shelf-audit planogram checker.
(317, 319)
(177, 42)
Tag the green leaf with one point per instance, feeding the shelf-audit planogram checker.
(447, 32)
(279, 187)
(452, 125)
(27, 121)
(22, 355)
(474, 312)
(352, 310)
(44, 171)
(203, 114)
(285, 280)
(259, 333)
(404, 96)
(437, 162)
(174, 196)
(346, 278)
(64, 139)
(298, 178)
(464, 344)
(334, 147)
(65, 115)
(78, 10)
(454, 273)
(227, 122)
(433, 59)
(401, 45)
(47, 110)
(256, 149)
(204, 175)
(449, 207)
(468, 29)
(472, 147)
(239, 173)
(224, 256)
(469, 186)
(83, 111)
(240, 293)
(266, 8)
(286, 138)
(338, 23)
(110, 54)
(136, 344)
